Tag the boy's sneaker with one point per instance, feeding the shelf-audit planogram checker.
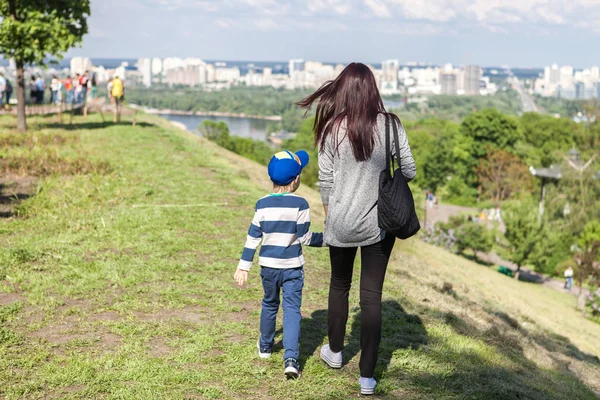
(367, 385)
(291, 368)
(263, 352)
(334, 360)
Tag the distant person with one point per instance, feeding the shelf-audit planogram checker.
(8, 89)
(2, 89)
(117, 92)
(109, 87)
(33, 88)
(84, 81)
(569, 278)
(350, 132)
(69, 90)
(93, 87)
(55, 88)
(41, 86)
(78, 88)
(282, 223)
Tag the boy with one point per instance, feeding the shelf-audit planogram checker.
(282, 221)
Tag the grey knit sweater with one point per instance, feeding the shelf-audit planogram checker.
(350, 188)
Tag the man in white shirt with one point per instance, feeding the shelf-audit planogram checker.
(569, 278)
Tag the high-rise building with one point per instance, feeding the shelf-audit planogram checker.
(389, 76)
(579, 91)
(598, 90)
(472, 78)
(554, 74)
(296, 65)
(157, 66)
(80, 64)
(448, 82)
(12, 65)
(170, 63)
(145, 68)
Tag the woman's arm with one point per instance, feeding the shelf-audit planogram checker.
(326, 173)
(409, 169)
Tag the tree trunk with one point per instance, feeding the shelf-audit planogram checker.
(517, 272)
(21, 121)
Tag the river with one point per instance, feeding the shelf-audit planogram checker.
(238, 126)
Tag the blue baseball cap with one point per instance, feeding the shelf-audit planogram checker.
(285, 166)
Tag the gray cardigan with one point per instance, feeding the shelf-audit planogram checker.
(350, 188)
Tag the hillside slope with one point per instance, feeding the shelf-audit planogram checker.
(119, 285)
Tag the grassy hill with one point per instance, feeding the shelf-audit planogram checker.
(116, 282)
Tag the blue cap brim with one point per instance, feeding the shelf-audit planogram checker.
(304, 158)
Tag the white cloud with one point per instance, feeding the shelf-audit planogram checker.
(266, 24)
(225, 23)
(341, 7)
(379, 8)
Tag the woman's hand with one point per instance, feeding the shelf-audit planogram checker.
(241, 276)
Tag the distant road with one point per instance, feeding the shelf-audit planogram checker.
(527, 103)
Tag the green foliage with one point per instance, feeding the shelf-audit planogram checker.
(523, 231)
(305, 140)
(33, 30)
(544, 137)
(218, 132)
(463, 234)
(479, 132)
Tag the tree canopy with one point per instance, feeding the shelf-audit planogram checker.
(33, 30)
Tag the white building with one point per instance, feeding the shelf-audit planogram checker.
(230, 75)
(80, 64)
(171, 63)
(157, 66)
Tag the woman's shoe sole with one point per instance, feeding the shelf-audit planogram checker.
(367, 392)
(330, 363)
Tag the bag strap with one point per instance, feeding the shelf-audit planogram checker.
(388, 149)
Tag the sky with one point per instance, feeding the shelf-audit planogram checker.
(518, 33)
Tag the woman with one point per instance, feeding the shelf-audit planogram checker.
(349, 131)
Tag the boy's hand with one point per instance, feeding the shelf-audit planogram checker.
(241, 276)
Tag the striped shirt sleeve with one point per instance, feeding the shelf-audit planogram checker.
(305, 235)
(253, 239)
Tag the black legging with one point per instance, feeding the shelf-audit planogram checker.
(374, 261)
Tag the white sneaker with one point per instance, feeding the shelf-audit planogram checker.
(334, 360)
(367, 385)
(264, 353)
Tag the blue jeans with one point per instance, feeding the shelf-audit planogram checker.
(291, 282)
(569, 283)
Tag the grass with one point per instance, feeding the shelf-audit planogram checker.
(119, 285)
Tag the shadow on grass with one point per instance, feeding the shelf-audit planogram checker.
(399, 330)
(475, 375)
(95, 125)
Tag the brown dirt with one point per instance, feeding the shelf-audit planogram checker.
(13, 191)
(158, 347)
(9, 298)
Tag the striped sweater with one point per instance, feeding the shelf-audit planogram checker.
(282, 223)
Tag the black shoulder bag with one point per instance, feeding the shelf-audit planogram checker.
(395, 206)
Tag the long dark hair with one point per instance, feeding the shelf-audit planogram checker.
(352, 97)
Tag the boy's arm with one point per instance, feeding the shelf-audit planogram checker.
(305, 236)
(252, 241)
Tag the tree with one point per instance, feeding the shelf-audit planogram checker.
(523, 231)
(501, 174)
(473, 236)
(31, 31)
(587, 255)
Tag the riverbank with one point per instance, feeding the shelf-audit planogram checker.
(156, 111)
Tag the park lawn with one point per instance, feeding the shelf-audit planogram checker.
(116, 282)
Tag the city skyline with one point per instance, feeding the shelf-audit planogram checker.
(528, 33)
